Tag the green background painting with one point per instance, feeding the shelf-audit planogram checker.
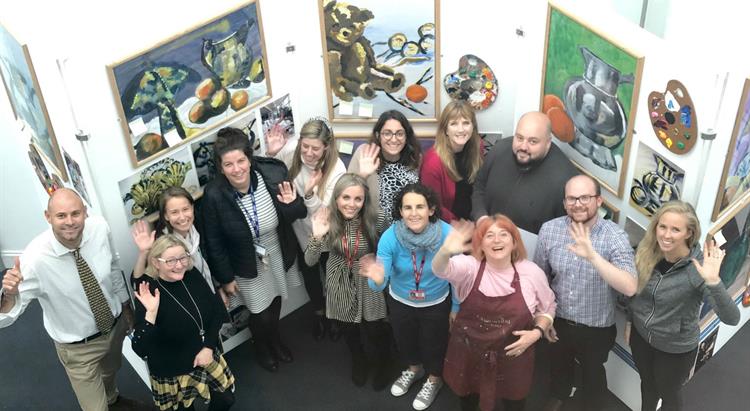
(564, 60)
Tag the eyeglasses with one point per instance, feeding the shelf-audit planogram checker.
(584, 199)
(172, 262)
(388, 134)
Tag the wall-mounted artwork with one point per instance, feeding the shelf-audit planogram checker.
(656, 180)
(673, 117)
(734, 179)
(203, 150)
(589, 91)
(50, 182)
(379, 56)
(705, 350)
(191, 83)
(277, 117)
(473, 82)
(609, 212)
(76, 177)
(26, 98)
(634, 231)
(140, 192)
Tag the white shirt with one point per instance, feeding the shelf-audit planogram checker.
(50, 275)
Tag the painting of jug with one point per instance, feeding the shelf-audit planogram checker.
(656, 180)
(589, 89)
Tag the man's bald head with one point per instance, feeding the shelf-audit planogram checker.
(66, 214)
(63, 194)
(532, 139)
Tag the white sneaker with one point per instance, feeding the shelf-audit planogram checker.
(427, 394)
(404, 382)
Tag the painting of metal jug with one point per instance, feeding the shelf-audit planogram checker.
(655, 181)
(591, 102)
(230, 59)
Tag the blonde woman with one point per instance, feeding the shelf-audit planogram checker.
(674, 277)
(452, 164)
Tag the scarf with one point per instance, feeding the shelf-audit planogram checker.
(429, 239)
(192, 241)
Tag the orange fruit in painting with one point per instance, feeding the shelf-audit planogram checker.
(416, 93)
(205, 89)
(198, 113)
(562, 125)
(551, 100)
(239, 100)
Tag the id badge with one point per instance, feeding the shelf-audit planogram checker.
(417, 295)
(260, 250)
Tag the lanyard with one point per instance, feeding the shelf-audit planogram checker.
(253, 221)
(350, 254)
(418, 272)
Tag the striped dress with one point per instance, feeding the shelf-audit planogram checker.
(272, 280)
(348, 297)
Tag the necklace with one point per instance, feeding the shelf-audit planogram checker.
(201, 331)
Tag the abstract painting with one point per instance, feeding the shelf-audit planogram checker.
(140, 192)
(379, 56)
(590, 93)
(656, 180)
(191, 83)
(734, 179)
(26, 98)
(76, 177)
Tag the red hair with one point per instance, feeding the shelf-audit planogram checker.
(504, 223)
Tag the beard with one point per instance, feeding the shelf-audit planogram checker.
(528, 165)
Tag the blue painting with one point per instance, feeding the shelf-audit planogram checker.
(26, 98)
(192, 83)
(380, 56)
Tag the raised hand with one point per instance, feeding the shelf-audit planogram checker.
(313, 182)
(582, 237)
(320, 224)
(150, 301)
(13, 278)
(458, 240)
(143, 237)
(712, 258)
(371, 268)
(203, 358)
(369, 161)
(275, 140)
(287, 193)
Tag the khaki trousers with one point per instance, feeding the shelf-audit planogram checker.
(91, 367)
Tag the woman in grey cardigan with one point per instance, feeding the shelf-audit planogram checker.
(674, 277)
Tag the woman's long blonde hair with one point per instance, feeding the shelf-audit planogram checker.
(473, 148)
(161, 245)
(368, 214)
(316, 129)
(649, 253)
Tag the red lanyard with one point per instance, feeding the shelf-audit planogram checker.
(350, 254)
(418, 273)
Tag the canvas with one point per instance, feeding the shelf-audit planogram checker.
(191, 83)
(379, 56)
(50, 182)
(76, 177)
(589, 91)
(656, 180)
(26, 98)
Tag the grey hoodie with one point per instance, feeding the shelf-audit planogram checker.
(665, 313)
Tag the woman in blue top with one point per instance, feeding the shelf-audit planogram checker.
(419, 303)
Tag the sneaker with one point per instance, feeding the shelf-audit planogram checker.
(407, 378)
(427, 394)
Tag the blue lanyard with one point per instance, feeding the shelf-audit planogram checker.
(254, 222)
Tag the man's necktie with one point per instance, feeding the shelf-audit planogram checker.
(99, 307)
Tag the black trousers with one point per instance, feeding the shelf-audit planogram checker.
(662, 374)
(265, 325)
(378, 339)
(421, 333)
(471, 403)
(591, 346)
(313, 281)
(220, 401)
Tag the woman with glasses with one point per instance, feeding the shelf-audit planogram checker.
(451, 165)
(248, 210)
(390, 161)
(177, 321)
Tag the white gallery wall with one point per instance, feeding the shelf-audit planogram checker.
(78, 39)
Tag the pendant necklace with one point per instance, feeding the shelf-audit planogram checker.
(201, 331)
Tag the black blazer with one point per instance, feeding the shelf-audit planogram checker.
(229, 239)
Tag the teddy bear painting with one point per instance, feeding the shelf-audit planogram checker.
(357, 38)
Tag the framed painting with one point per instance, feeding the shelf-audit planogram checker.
(379, 56)
(656, 180)
(735, 179)
(608, 211)
(191, 83)
(590, 93)
(26, 99)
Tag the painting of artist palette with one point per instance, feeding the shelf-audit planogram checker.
(379, 55)
(673, 117)
(656, 180)
(473, 82)
(191, 83)
(590, 93)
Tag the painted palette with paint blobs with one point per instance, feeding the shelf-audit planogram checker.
(673, 117)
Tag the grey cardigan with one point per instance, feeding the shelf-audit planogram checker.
(665, 313)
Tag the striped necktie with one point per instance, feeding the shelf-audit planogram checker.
(99, 307)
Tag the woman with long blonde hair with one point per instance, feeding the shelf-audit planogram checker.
(674, 277)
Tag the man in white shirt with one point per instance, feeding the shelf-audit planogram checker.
(48, 270)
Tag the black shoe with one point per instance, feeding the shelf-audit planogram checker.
(127, 404)
(334, 331)
(281, 352)
(359, 371)
(319, 327)
(382, 377)
(264, 357)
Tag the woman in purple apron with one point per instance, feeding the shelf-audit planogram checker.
(506, 307)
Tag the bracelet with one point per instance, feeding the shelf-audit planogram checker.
(541, 330)
(309, 196)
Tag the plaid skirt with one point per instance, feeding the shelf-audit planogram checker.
(171, 392)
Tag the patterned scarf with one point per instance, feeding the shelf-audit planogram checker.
(428, 239)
